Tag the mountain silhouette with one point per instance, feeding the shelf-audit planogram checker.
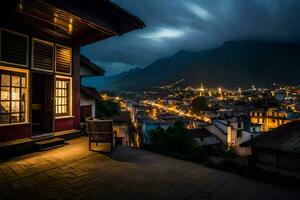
(234, 64)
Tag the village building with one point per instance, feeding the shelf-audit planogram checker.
(272, 117)
(88, 95)
(241, 131)
(209, 142)
(122, 127)
(279, 94)
(88, 98)
(277, 151)
(233, 132)
(219, 128)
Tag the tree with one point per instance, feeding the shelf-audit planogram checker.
(106, 108)
(158, 138)
(199, 104)
(177, 141)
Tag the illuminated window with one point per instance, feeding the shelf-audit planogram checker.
(62, 97)
(12, 97)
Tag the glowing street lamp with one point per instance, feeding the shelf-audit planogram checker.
(220, 90)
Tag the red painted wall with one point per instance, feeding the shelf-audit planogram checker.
(14, 132)
(63, 124)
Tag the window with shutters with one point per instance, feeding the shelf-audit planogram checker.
(14, 48)
(42, 55)
(63, 60)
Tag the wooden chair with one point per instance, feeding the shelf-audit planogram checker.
(83, 126)
(100, 131)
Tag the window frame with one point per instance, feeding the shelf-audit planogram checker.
(11, 71)
(55, 59)
(69, 98)
(27, 48)
(32, 55)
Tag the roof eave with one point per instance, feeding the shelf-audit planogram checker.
(116, 22)
(95, 69)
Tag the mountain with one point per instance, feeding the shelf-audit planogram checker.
(234, 64)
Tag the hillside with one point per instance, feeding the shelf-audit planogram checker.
(234, 64)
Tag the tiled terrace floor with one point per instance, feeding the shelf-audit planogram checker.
(72, 172)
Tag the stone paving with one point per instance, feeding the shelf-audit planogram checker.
(73, 172)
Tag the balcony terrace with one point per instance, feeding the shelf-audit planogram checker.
(74, 172)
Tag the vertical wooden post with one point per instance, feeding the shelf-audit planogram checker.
(76, 85)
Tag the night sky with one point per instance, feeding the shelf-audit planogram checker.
(193, 25)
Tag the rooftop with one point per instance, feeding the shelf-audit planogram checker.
(93, 68)
(283, 138)
(73, 172)
(89, 92)
(72, 20)
(199, 132)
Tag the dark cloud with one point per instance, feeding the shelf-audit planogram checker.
(194, 25)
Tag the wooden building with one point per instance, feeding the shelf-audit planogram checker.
(40, 61)
(277, 151)
(88, 95)
(209, 142)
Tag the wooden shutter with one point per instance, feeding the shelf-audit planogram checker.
(63, 59)
(14, 48)
(43, 55)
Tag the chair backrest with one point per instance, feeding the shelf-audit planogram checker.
(99, 130)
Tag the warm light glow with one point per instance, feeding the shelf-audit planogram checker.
(63, 96)
(201, 88)
(20, 6)
(175, 110)
(220, 90)
(55, 17)
(70, 28)
(66, 52)
(14, 90)
(15, 95)
(104, 97)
